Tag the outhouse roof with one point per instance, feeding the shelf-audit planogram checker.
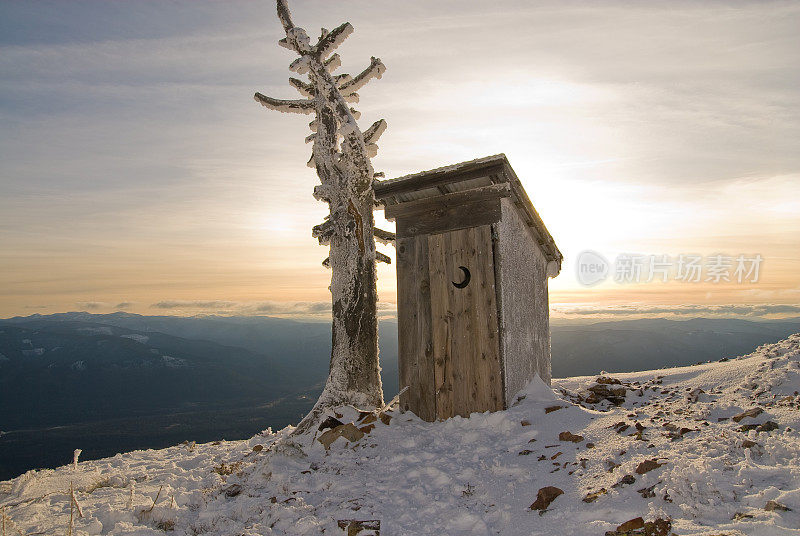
(467, 176)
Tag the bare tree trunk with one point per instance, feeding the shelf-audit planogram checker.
(341, 156)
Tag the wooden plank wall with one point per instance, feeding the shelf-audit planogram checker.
(466, 346)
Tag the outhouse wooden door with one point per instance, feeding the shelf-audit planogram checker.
(458, 371)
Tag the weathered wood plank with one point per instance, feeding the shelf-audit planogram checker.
(387, 189)
(450, 219)
(459, 253)
(407, 300)
(441, 318)
(475, 195)
(414, 327)
(487, 378)
(426, 408)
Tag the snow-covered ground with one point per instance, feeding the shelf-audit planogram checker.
(670, 451)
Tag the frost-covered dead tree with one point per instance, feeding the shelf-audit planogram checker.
(341, 155)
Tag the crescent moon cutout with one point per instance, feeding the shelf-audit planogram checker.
(467, 277)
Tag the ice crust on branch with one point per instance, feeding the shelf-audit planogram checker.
(303, 88)
(285, 16)
(333, 39)
(333, 63)
(374, 132)
(300, 65)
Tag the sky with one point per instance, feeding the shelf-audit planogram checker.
(138, 174)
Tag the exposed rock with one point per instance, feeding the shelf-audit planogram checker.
(525, 422)
(633, 524)
(738, 516)
(569, 436)
(524, 452)
(348, 431)
(611, 465)
(258, 448)
(752, 412)
(767, 427)
(772, 506)
(747, 444)
(606, 380)
(615, 395)
(368, 418)
(647, 466)
(233, 490)
(544, 497)
(593, 496)
(551, 409)
(694, 394)
(330, 422)
(647, 493)
(625, 481)
(355, 526)
(638, 527)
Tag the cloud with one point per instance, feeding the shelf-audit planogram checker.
(124, 305)
(757, 310)
(193, 304)
(92, 305)
(291, 309)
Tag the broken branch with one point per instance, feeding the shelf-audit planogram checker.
(323, 232)
(375, 70)
(299, 106)
(384, 237)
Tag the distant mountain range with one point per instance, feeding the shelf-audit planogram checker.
(632, 345)
(109, 383)
(78, 367)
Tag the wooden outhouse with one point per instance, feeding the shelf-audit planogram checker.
(473, 259)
